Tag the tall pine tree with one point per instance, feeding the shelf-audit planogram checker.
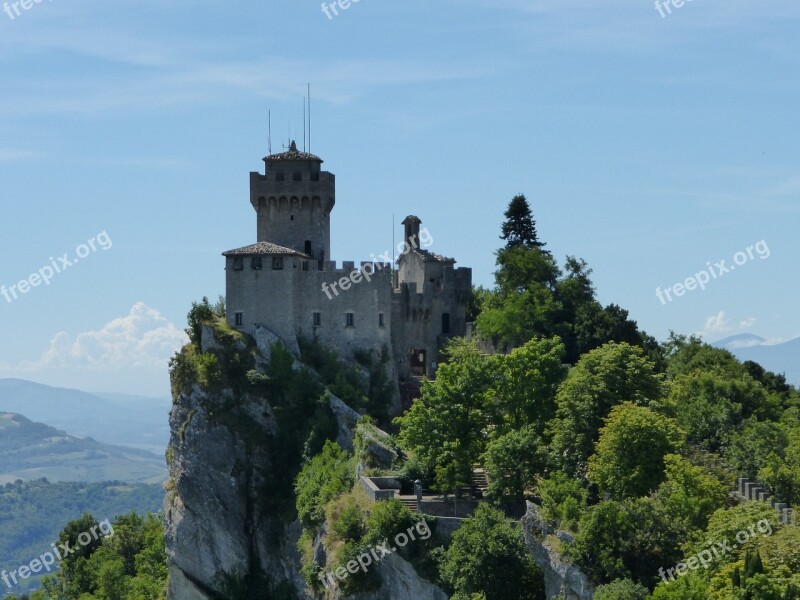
(519, 229)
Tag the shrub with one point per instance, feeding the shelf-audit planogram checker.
(563, 500)
(327, 476)
(621, 589)
(488, 556)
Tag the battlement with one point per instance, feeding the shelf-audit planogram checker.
(280, 188)
(348, 266)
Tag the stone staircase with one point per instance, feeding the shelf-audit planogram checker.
(479, 480)
(410, 503)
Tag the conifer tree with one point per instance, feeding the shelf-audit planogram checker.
(519, 228)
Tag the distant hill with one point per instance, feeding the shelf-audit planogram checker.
(31, 450)
(778, 358)
(32, 514)
(119, 419)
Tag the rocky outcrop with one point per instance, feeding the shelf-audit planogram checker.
(213, 519)
(220, 508)
(561, 579)
(399, 581)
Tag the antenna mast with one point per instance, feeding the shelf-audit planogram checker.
(269, 146)
(309, 117)
(304, 124)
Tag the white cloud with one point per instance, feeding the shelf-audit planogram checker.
(127, 354)
(716, 324)
(747, 323)
(719, 324)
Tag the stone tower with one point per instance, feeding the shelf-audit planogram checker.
(293, 201)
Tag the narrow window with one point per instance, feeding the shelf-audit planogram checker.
(277, 263)
(445, 323)
(256, 263)
(305, 265)
(350, 319)
(380, 320)
(238, 319)
(238, 263)
(317, 319)
(308, 247)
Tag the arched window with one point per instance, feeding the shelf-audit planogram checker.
(308, 247)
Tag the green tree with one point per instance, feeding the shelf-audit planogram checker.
(602, 379)
(327, 476)
(524, 304)
(526, 381)
(563, 500)
(519, 228)
(629, 458)
(630, 539)
(726, 523)
(781, 469)
(533, 298)
(686, 355)
(488, 556)
(711, 405)
(200, 314)
(689, 587)
(512, 462)
(130, 564)
(621, 589)
(446, 427)
(690, 493)
(747, 450)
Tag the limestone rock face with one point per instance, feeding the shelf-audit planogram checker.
(212, 510)
(218, 518)
(399, 581)
(560, 578)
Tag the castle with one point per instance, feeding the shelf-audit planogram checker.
(287, 283)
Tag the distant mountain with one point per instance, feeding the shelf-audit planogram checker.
(778, 358)
(120, 419)
(31, 451)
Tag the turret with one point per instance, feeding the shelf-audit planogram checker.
(293, 200)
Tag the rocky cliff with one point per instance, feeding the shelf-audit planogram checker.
(562, 579)
(238, 434)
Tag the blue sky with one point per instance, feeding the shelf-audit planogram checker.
(648, 146)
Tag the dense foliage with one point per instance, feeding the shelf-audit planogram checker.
(488, 557)
(34, 512)
(634, 449)
(127, 562)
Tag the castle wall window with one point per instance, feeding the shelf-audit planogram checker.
(445, 323)
(238, 319)
(317, 319)
(308, 247)
(350, 319)
(380, 320)
(238, 264)
(277, 263)
(256, 263)
(315, 177)
(305, 265)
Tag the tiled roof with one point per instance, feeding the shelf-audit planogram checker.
(264, 248)
(430, 256)
(293, 154)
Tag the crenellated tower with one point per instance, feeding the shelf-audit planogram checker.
(293, 200)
